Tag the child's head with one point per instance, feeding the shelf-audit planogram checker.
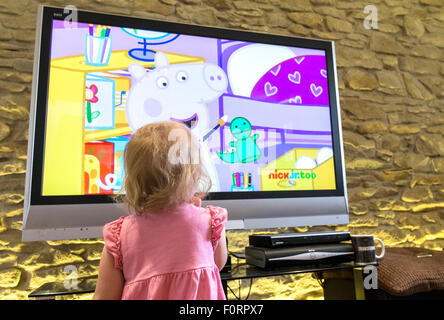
(163, 167)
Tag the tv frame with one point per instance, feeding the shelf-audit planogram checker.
(247, 209)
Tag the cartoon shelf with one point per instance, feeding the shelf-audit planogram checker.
(66, 132)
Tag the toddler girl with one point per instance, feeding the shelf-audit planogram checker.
(170, 247)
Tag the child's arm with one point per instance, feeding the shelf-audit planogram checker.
(220, 254)
(110, 282)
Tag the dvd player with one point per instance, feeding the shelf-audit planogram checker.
(291, 256)
(295, 239)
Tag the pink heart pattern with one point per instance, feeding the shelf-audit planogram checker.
(295, 77)
(324, 73)
(276, 71)
(270, 90)
(299, 60)
(296, 100)
(302, 76)
(315, 90)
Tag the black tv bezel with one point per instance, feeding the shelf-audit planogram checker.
(51, 13)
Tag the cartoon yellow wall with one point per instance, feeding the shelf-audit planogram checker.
(64, 163)
(392, 99)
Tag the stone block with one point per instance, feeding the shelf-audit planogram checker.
(436, 129)
(11, 86)
(10, 277)
(413, 26)
(390, 62)
(427, 51)
(4, 131)
(295, 5)
(419, 65)
(388, 28)
(386, 192)
(357, 141)
(154, 6)
(15, 7)
(244, 5)
(373, 126)
(364, 164)
(352, 43)
(174, 2)
(430, 144)
(437, 3)
(308, 19)
(438, 164)
(49, 257)
(12, 167)
(7, 260)
(384, 154)
(427, 179)
(435, 39)
(358, 79)
(23, 65)
(362, 109)
(204, 16)
(404, 129)
(11, 198)
(276, 20)
(363, 222)
(329, 11)
(380, 42)
(428, 219)
(299, 30)
(404, 118)
(358, 209)
(218, 4)
(325, 35)
(412, 160)
(417, 194)
(434, 84)
(338, 25)
(390, 82)
(416, 89)
(25, 21)
(428, 207)
(352, 57)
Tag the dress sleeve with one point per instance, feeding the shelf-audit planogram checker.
(111, 235)
(218, 219)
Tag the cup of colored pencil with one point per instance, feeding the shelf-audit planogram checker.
(242, 179)
(98, 45)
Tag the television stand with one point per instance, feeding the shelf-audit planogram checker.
(342, 281)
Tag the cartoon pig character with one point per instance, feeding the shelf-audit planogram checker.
(178, 92)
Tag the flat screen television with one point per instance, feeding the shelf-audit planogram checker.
(265, 108)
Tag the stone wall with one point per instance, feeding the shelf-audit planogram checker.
(392, 98)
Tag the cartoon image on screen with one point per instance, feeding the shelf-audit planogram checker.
(260, 111)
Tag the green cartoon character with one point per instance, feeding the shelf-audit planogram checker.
(246, 149)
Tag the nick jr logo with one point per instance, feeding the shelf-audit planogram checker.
(291, 175)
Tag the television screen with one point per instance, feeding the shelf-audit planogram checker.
(264, 109)
(261, 111)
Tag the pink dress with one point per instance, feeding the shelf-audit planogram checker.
(168, 255)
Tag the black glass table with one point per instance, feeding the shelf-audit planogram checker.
(339, 280)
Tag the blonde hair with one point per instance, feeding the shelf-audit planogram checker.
(163, 168)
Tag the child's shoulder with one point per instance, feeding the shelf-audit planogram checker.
(210, 210)
(115, 223)
(217, 215)
(115, 227)
(215, 211)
